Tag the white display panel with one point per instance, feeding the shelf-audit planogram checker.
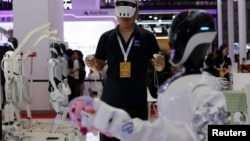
(84, 35)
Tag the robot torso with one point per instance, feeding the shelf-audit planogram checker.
(170, 95)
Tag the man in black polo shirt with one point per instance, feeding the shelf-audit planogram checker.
(127, 50)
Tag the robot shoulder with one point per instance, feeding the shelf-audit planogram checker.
(7, 54)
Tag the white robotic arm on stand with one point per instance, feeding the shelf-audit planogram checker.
(9, 63)
(47, 34)
(17, 55)
(18, 50)
(12, 66)
(44, 27)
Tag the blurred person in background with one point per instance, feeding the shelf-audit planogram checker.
(223, 63)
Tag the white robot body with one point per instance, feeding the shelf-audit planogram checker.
(8, 112)
(58, 69)
(60, 90)
(54, 74)
(65, 87)
(201, 105)
(7, 65)
(16, 88)
(171, 95)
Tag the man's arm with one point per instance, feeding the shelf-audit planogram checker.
(95, 64)
(158, 62)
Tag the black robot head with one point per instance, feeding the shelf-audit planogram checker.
(54, 49)
(191, 34)
(13, 43)
(63, 48)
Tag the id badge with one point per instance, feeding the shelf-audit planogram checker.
(125, 69)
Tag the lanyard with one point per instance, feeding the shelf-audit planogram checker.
(221, 65)
(125, 54)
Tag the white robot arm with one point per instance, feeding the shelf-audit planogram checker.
(65, 87)
(43, 27)
(24, 41)
(6, 65)
(47, 34)
(51, 66)
(57, 92)
(117, 122)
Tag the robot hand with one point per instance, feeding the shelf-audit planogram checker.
(87, 120)
(65, 87)
(57, 96)
(76, 108)
(107, 120)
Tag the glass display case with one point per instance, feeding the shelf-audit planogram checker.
(159, 28)
(159, 25)
(156, 23)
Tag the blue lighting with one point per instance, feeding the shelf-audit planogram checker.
(5, 44)
(204, 28)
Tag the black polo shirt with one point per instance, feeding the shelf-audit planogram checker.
(219, 63)
(126, 91)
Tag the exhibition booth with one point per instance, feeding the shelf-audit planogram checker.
(83, 23)
(80, 25)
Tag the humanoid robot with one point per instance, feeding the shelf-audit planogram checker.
(187, 102)
(66, 89)
(16, 87)
(58, 89)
